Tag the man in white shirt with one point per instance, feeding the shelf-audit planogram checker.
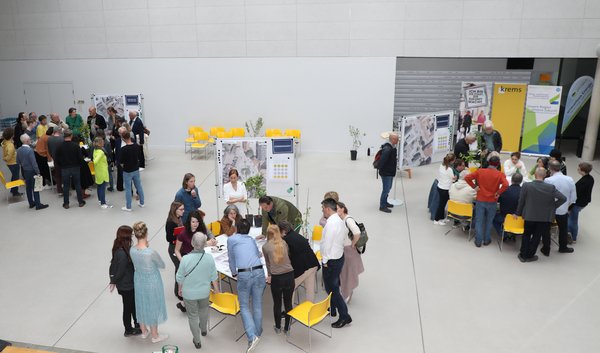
(566, 186)
(332, 251)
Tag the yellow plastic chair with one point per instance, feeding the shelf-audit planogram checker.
(10, 184)
(513, 226)
(215, 129)
(310, 314)
(226, 304)
(473, 169)
(224, 134)
(215, 228)
(317, 233)
(92, 169)
(191, 139)
(201, 143)
(273, 133)
(238, 132)
(462, 212)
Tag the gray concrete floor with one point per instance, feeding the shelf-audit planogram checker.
(422, 291)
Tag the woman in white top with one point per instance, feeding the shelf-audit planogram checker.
(514, 165)
(235, 192)
(353, 264)
(445, 179)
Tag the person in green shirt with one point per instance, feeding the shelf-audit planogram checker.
(275, 210)
(75, 121)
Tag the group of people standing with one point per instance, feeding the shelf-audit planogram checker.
(35, 141)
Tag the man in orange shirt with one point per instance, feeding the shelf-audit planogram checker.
(490, 184)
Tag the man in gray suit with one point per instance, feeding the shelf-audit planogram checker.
(537, 204)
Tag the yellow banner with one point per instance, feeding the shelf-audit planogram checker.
(508, 105)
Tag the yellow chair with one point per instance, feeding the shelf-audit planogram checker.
(462, 212)
(10, 184)
(273, 133)
(473, 169)
(191, 139)
(215, 129)
(224, 134)
(513, 226)
(238, 132)
(317, 233)
(292, 133)
(92, 169)
(226, 304)
(201, 143)
(215, 228)
(310, 314)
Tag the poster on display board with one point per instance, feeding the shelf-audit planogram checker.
(507, 113)
(123, 104)
(579, 94)
(474, 108)
(425, 138)
(274, 159)
(541, 119)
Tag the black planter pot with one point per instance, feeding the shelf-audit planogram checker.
(258, 221)
(250, 219)
(353, 154)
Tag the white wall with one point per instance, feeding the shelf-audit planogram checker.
(320, 96)
(61, 29)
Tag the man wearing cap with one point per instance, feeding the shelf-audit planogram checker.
(387, 169)
(490, 184)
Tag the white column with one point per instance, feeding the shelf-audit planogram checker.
(593, 121)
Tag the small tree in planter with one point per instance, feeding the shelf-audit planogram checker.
(356, 135)
(256, 189)
(253, 129)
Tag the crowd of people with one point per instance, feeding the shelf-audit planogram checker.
(289, 262)
(61, 153)
(542, 196)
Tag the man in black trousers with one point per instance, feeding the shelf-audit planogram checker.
(537, 204)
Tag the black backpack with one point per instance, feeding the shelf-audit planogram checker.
(377, 158)
(361, 244)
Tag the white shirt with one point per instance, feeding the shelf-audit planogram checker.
(566, 186)
(332, 243)
(444, 178)
(230, 193)
(510, 169)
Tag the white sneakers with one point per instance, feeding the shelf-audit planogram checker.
(124, 208)
(441, 222)
(160, 338)
(145, 335)
(106, 206)
(252, 346)
(140, 204)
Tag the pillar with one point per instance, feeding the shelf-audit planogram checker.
(593, 120)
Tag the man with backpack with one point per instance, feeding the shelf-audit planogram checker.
(386, 162)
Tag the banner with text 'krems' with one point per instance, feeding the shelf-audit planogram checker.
(508, 104)
(541, 119)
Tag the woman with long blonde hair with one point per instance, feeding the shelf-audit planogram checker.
(281, 275)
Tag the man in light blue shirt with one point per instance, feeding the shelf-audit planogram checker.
(245, 264)
(566, 186)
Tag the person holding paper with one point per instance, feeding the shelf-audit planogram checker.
(26, 159)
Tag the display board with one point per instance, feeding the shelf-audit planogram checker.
(425, 138)
(475, 103)
(579, 94)
(541, 119)
(273, 158)
(507, 113)
(123, 104)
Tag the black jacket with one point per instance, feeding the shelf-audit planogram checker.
(68, 155)
(461, 149)
(388, 161)
(301, 254)
(137, 128)
(584, 188)
(496, 139)
(121, 270)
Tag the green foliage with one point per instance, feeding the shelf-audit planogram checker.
(85, 133)
(253, 128)
(356, 135)
(255, 187)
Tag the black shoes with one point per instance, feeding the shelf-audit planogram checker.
(42, 206)
(341, 323)
(566, 250)
(389, 205)
(181, 307)
(66, 206)
(385, 209)
(32, 206)
(204, 333)
(486, 243)
(529, 259)
(132, 332)
(545, 251)
(82, 203)
(477, 244)
(197, 345)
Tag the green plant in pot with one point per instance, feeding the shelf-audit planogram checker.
(256, 189)
(253, 128)
(356, 135)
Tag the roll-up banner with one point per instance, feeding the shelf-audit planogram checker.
(541, 119)
(579, 94)
(507, 113)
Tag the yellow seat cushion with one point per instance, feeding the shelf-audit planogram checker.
(301, 311)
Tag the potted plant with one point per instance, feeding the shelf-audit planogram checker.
(356, 134)
(256, 189)
(253, 129)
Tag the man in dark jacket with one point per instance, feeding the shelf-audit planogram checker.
(95, 121)
(275, 209)
(387, 170)
(537, 204)
(137, 130)
(304, 261)
(467, 120)
(69, 159)
(461, 149)
(491, 140)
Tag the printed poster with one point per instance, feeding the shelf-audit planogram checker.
(541, 119)
(507, 110)
(474, 108)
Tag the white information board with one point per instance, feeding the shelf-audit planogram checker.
(425, 138)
